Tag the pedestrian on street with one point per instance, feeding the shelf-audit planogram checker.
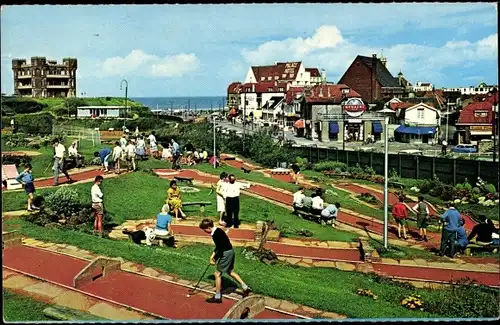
(223, 257)
(400, 214)
(232, 192)
(59, 162)
(452, 221)
(444, 147)
(97, 205)
(422, 217)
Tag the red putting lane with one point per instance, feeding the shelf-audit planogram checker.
(242, 234)
(317, 253)
(432, 274)
(151, 295)
(55, 267)
(76, 177)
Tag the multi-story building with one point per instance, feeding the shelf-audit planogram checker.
(418, 123)
(482, 88)
(423, 86)
(289, 72)
(371, 79)
(44, 78)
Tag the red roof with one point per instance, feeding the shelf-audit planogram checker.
(314, 72)
(401, 106)
(233, 87)
(329, 93)
(292, 92)
(282, 70)
(265, 87)
(468, 114)
(492, 98)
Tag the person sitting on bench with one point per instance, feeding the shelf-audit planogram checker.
(174, 200)
(330, 214)
(197, 158)
(217, 161)
(307, 203)
(204, 155)
(295, 172)
(462, 241)
(298, 199)
(483, 231)
(74, 155)
(317, 204)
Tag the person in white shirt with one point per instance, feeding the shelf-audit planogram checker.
(220, 192)
(317, 203)
(141, 148)
(74, 155)
(153, 147)
(123, 142)
(59, 162)
(298, 198)
(117, 156)
(130, 155)
(329, 214)
(232, 192)
(97, 205)
(167, 153)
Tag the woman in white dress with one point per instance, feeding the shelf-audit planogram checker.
(221, 198)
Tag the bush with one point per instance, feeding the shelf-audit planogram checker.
(330, 166)
(16, 160)
(17, 105)
(467, 186)
(64, 201)
(15, 140)
(447, 192)
(476, 190)
(490, 188)
(35, 123)
(459, 187)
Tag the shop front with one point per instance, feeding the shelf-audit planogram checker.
(473, 134)
(415, 134)
(353, 129)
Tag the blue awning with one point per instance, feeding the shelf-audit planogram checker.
(419, 130)
(377, 127)
(334, 127)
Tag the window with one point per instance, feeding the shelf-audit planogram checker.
(301, 75)
(276, 77)
(269, 78)
(283, 75)
(262, 78)
(345, 90)
(291, 75)
(481, 113)
(270, 89)
(248, 90)
(420, 113)
(282, 89)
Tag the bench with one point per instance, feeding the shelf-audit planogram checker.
(307, 214)
(9, 174)
(165, 240)
(246, 169)
(396, 184)
(200, 204)
(480, 246)
(188, 180)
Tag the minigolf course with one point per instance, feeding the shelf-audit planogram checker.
(104, 279)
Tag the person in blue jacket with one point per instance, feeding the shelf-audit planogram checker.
(104, 155)
(462, 240)
(26, 178)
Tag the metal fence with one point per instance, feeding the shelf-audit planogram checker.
(78, 133)
(450, 171)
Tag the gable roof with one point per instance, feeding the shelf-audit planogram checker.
(292, 93)
(330, 94)
(314, 72)
(265, 87)
(383, 76)
(233, 87)
(278, 70)
(468, 114)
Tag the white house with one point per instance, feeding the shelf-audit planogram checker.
(98, 111)
(423, 86)
(262, 99)
(482, 88)
(419, 123)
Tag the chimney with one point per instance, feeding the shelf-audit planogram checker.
(320, 91)
(253, 88)
(328, 92)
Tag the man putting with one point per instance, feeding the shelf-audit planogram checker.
(223, 258)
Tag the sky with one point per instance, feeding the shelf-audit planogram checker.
(198, 50)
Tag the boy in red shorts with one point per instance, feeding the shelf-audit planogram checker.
(400, 214)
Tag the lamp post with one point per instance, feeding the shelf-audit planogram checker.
(215, 156)
(386, 112)
(126, 98)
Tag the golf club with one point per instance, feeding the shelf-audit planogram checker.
(192, 291)
(50, 164)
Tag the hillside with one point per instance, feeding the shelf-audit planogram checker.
(63, 106)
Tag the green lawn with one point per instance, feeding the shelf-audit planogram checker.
(18, 308)
(141, 195)
(326, 289)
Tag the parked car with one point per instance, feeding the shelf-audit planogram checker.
(465, 148)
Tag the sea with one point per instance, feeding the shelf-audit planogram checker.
(183, 103)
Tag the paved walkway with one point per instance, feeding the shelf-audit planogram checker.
(144, 288)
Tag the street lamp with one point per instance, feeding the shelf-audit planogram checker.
(215, 156)
(386, 112)
(126, 94)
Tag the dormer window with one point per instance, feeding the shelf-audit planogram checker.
(345, 90)
(283, 75)
(270, 89)
(276, 77)
(269, 78)
(262, 78)
(481, 114)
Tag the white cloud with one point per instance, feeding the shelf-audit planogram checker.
(141, 63)
(327, 48)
